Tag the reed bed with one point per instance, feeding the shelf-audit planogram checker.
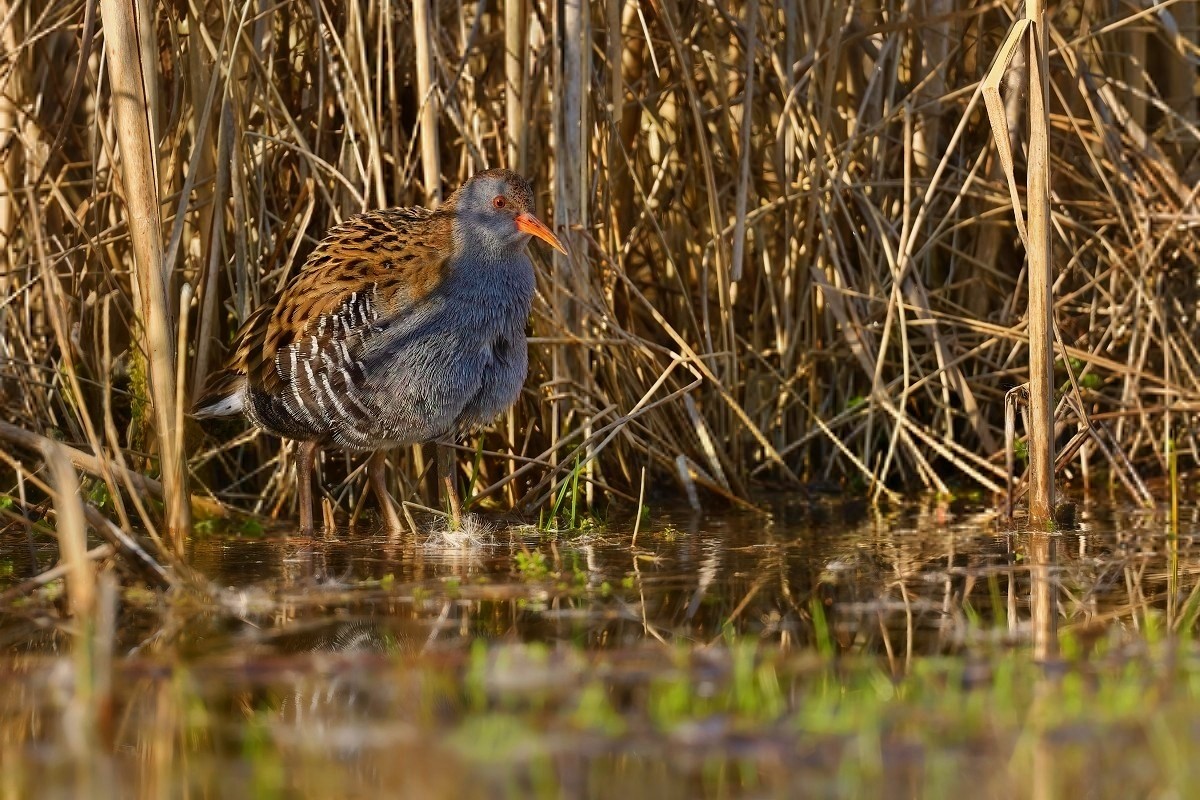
(793, 262)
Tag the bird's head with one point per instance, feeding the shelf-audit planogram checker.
(494, 212)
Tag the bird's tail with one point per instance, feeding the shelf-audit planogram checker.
(226, 397)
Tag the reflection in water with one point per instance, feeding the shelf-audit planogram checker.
(352, 663)
(917, 583)
(1042, 557)
(1043, 595)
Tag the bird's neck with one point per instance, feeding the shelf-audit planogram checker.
(478, 236)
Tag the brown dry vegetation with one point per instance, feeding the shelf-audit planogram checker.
(793, 251)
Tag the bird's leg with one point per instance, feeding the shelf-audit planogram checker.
(306, 453)
(445, 458)
(377, 472)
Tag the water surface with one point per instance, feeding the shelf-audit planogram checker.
(829, 651)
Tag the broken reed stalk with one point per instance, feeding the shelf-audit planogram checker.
(1041, 277)
(81, 588)
(1028, 37)
(72, 533)
(129, 74)
(92, 600)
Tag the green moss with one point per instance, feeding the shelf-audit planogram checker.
(140, 422)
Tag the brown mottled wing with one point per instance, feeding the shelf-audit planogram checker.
(300, 346)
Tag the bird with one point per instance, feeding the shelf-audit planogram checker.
(404, 326)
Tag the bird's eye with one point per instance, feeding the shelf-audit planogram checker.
(500, 201)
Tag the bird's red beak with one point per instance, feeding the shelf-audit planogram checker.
(528, 223)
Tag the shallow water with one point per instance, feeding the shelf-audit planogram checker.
(831, 652)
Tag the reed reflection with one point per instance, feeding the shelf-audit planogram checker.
(1042, 556)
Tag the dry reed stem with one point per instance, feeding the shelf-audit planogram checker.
(128, 28)
(516, 18)
(430, 156)
(1041, 275)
